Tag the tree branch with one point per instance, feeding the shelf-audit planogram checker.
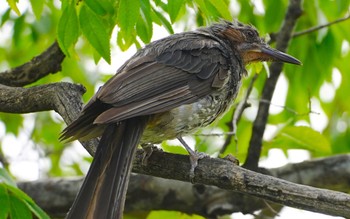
(39, 67)
(63, 97)
(293, 13)
(147, 193)
(316, 28)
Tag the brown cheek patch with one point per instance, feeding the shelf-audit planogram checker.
(233, 35)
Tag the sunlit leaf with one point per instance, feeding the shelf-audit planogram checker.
(18, 29)
(37, 6)
(164, 21)
(6, 178)
(5, 17)
(128, 14)
(13, 6)
(174, 7)
(13, 122)
(96, 32)
(176, 149)
(24, 204)
(36, 210)
(96, 7)
(18, 209)
(171, 214)
(125, 40)
(301, 137)
(68, 28)
(4, 201)
(144, 30)
(222, 7)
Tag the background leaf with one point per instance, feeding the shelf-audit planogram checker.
(301, 137)
(174, 7)
(68, 29)
(13, 6)
(96, 32)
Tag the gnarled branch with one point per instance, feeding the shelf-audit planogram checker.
(39, 67)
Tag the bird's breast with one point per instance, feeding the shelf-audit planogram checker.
(187, 118)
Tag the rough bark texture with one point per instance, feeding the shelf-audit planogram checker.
(39, 67)
(147, 193)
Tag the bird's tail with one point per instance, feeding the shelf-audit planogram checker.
(102, 194)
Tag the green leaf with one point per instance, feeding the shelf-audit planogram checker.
(144, 30)
(68, 28)
(164, 21)
(222, 7)
(13, 122)
(27, 202)
(128, 14)
(96, 32)
(5, 17)
(18, 209)
(36, 210)
(144, 26)
(171, 214)
(176, 149)
(4, 201)
(13, 6)
(101, 7)
(301, 137)
(6, 178)
(125, 40)
(174, 7)
(19, 27)
(37, 6)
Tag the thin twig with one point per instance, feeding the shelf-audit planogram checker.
(273, 36)
(290, 109)
(312, 29)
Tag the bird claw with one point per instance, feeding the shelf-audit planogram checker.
(194, 157)
(148, 149)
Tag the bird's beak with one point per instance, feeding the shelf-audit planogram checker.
(278, 56)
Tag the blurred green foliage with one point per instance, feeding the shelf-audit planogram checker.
(84, 30)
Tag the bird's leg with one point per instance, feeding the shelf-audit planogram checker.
(148, 149)
(194, 156)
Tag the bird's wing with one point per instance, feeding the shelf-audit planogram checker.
(157, 81)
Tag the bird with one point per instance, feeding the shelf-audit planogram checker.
(169, 88)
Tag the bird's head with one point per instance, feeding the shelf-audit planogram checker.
(251, 47)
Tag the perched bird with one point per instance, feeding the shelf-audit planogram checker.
(169, 88)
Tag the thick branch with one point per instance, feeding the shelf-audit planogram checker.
(64, 98)
(150, 193)
(283, 37)
(38, 98)
(40, 66)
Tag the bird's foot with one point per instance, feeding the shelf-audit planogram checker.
(148, 149)
(194, 157)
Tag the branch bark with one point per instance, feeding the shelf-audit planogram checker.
(63, 97)
(147, 193)
(39, 67)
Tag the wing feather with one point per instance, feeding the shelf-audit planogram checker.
(164, 79)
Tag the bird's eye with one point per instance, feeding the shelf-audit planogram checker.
(250, 34)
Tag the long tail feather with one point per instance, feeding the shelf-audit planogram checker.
(102, 194)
